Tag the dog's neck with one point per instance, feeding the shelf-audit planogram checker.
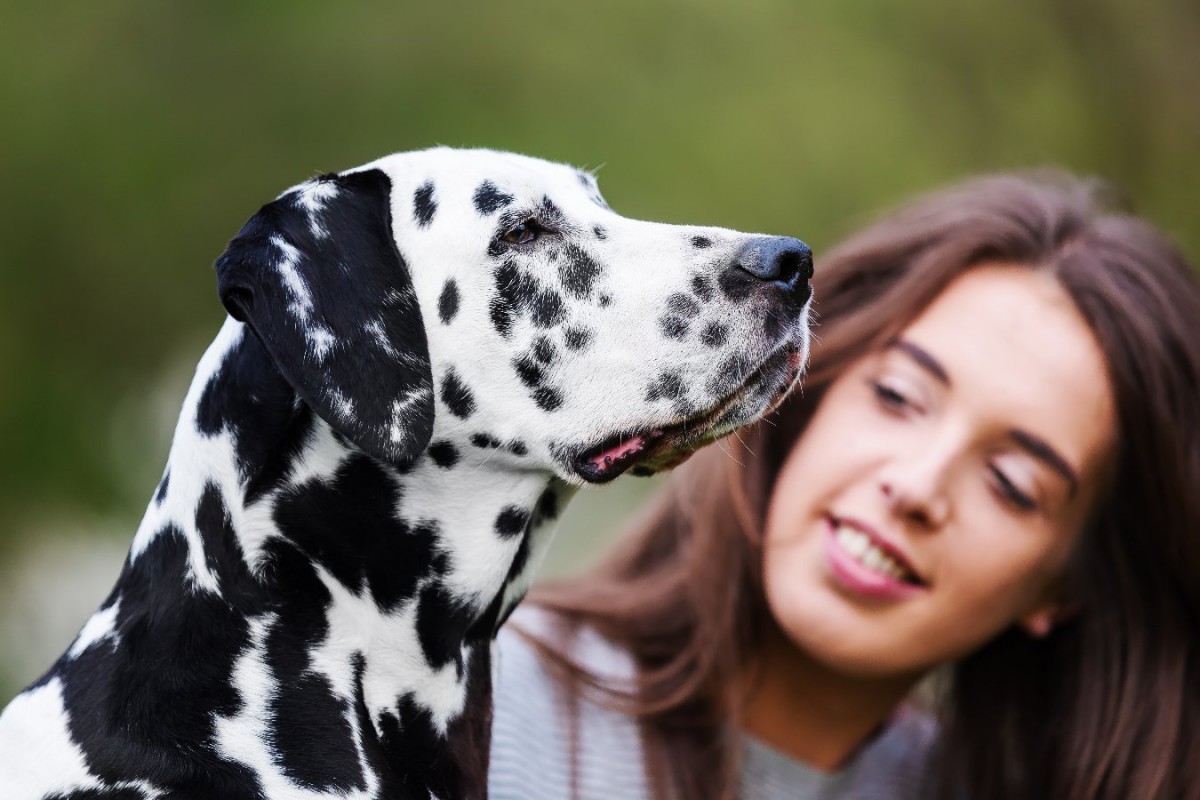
(377, 587)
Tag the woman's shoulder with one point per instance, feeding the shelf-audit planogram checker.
(532, 734)
(532, 727)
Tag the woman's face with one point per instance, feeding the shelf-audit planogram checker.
(934, 499)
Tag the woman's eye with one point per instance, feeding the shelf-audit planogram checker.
(1009, 491)
(889, 396)
(523, 232)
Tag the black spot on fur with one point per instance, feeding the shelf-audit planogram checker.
(168, 681)
(512, 521)
(501, 314)
(714, 334)
(668, 385)
(161, 494)
(413, 733)
(485, 440)
(517, 448)
(544, 350)
(701, 242)
(444, 454)
(222, 549)
(683, 305)
(577, 338)
(550, 214)
(737, 284)
(548, 309)
(605, 300)
(488, 198)
(729, 376)
(457, 397)
(442, 623)
(515, 286)
(547, 505)
(580, 272)
(702, 287)
(529, 370)
(311, 738)
(348, 525)
(275, 470)
(449, 766)
(545, 510)
(448, 302)
(600, 232)
(548, 398)
(673, 327)
(250, 398)
(515, 291)
(424, 204)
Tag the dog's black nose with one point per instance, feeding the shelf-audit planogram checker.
(779, 260)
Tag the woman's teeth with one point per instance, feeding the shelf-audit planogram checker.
(865, 552)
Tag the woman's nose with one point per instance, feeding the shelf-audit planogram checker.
(915, 488)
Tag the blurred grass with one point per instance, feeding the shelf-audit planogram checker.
(136, 137)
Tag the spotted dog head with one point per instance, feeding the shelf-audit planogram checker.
(359, 492)
(483, 305)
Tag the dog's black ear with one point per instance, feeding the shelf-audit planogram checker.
(317, 276)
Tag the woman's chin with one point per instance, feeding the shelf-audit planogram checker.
(846, 637)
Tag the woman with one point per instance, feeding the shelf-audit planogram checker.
(991, 479)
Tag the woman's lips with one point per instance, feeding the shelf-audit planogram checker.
(859, 565)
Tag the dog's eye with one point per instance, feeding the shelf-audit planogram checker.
(523, 232)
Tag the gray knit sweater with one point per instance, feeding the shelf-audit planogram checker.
(531, 748)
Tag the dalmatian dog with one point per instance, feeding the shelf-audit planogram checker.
(424, 357)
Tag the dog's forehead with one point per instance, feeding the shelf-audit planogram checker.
(516, 175)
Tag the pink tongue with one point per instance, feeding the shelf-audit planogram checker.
(624, 448)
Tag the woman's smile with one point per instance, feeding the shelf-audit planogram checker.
(863, 563)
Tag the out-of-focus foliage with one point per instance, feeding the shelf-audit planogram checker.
(136, 137)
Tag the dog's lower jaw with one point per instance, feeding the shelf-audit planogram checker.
(296, 623)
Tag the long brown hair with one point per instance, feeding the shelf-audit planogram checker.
(1107, 706)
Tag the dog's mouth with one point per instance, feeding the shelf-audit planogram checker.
(651, 450)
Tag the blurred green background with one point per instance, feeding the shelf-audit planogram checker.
(136, 137)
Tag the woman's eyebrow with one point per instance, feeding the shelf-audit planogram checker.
(922, 357)
(1043, 452)
(1035, 446)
